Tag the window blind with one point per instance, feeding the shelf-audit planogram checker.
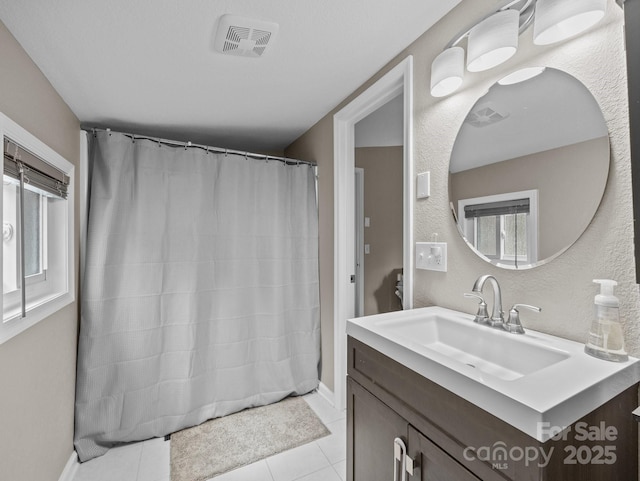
(37, 173)
(516, 206)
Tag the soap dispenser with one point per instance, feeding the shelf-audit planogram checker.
(605, 340)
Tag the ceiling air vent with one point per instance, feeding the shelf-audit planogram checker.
(485, 114)
(243, 36)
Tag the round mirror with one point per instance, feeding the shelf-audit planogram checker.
(528, 168)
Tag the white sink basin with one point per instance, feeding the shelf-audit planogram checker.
(478, 347)
(534, 381)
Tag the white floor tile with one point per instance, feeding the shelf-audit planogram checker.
(258, 471)
(334, 446)
(341, 469)
(298, 462)
(325, 411)
(120, 463)
(326, 474)
(154, 460)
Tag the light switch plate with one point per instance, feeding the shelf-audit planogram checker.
(424, 185)
(431, 256)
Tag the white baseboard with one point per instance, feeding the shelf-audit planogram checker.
(69, 471)
(326, 393)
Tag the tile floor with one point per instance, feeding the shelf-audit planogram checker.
(321, 460)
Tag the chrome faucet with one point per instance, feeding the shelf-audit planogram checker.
(497, 316)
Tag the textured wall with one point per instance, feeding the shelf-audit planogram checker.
(563, 288)
(37, 367)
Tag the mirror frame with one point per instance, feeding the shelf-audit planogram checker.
(632, 38)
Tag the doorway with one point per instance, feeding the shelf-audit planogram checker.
(379, 248)
(398, 80)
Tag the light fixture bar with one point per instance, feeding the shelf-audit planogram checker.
(525, 7)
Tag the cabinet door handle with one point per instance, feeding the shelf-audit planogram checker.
(399, 454)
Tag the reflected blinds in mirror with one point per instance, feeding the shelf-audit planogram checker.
(515, 206)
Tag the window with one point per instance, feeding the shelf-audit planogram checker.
(37, 234)
(503, 227)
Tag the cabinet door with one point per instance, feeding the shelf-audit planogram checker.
(433, 464)
(372, 428)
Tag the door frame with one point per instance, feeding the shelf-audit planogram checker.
(398, 80)
(359, 239)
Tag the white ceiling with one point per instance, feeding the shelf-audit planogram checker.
(148, 66)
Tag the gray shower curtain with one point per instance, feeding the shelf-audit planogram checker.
(200, 294)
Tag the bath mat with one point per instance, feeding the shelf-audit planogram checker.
(226, 443)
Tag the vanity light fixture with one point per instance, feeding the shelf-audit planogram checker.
(447, 71)
(494, 39)
(557, 20)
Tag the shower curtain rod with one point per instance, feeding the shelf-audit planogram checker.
(188, 144)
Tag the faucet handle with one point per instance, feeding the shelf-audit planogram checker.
(482, 315)
(514, 325)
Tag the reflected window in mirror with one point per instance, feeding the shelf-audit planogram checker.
(502, 228)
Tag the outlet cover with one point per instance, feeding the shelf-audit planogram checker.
(431, 256)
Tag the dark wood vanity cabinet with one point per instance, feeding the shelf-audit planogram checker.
(432, 463)
(374, 427)
(446, 435)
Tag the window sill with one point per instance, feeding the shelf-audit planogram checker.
(15, 325)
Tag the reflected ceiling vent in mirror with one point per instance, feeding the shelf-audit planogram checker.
(244, 37)
(484, 115)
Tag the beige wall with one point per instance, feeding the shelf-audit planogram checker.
(383, 169)
(317, 145)
(38, 367)
(563, 288)
(569, 181)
